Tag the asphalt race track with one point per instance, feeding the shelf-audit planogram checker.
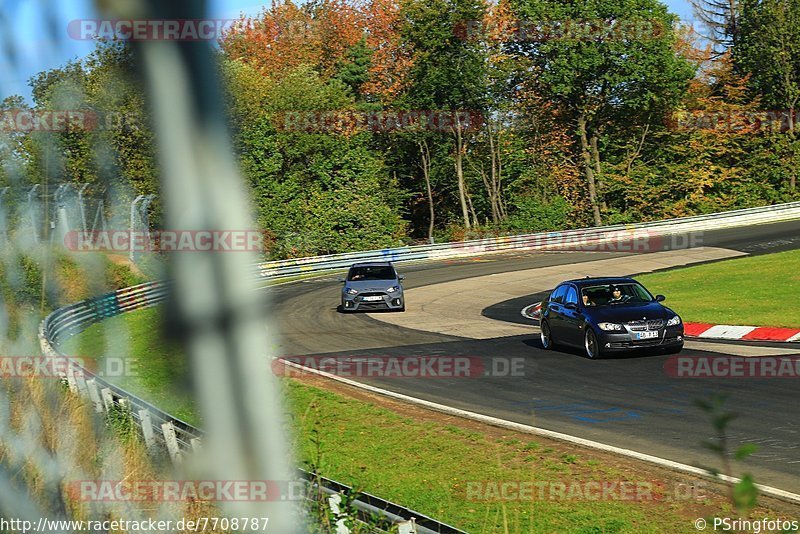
(626, 401)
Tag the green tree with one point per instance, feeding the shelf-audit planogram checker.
(631, 75)
(769, 53)
(318, 184)
(354, 72)
(448, 72)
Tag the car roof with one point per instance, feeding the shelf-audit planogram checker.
(373, 264)
(596, 281)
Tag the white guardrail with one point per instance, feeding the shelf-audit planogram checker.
(160, 430)
(586, 238)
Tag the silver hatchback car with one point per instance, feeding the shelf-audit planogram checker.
(373, 286)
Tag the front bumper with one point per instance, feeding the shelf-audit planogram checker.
(370, 301)
(670, 336)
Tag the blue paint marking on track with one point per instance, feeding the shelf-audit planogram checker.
(596, 412)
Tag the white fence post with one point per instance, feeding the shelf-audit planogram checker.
(407, 527)
(80, 383)
(147, 428)
(108, 398)
(73, 386)
(172, 442)
(334, 501)
(94, 395)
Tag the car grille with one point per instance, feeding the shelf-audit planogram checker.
(373, 306)
(635, 344)
(372, 295)
(642, 326)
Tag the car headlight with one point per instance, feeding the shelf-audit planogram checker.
(351, 291)
(393, 289)
(610, 327)
(674, 321)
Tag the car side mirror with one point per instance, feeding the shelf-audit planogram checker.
(341, 280)
(401, 277)
(571, 305)
(660, 298)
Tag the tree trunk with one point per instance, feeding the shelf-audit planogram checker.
(475, 221)
(588, 169)
(793, 134)
(500, 203)
(459, 164)
(425, 155)
(496, 177)
(490, 193)
(597, 172)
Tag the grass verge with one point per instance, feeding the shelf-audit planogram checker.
(754, 290)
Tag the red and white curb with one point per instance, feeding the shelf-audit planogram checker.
(533, 311)
(752, 333)
(711, 331)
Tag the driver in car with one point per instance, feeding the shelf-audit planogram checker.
(616, 295)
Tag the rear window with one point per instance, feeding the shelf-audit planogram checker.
(371, 273)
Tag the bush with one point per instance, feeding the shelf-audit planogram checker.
(534, 215)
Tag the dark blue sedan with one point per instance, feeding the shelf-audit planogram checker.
(602, 315)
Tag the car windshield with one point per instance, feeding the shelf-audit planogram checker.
(615, 294)
(377, 272)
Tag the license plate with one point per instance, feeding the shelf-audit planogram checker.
(372, 299)
(646, 335)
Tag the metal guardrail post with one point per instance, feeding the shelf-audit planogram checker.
(146, 422)
(94, 395)
(172, 442)
(334, 501)
(108, 399)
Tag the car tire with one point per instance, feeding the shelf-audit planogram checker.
(590, 344)
(546, 336)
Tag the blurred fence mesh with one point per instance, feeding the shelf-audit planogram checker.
(49, 438)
